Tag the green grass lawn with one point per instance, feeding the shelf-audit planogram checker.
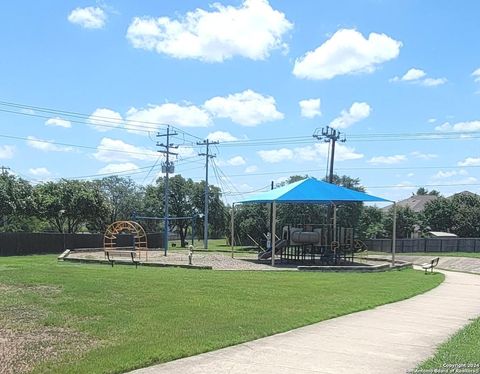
(218, 245)
(433, 254)
(127, 318)
(462, 348)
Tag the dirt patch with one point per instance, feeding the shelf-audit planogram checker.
(44, 290)
(21, 351)
(27, 339)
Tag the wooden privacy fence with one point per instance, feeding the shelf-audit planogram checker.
(425, 245)
(22, 243)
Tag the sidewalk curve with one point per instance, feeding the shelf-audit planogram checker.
(391, 338)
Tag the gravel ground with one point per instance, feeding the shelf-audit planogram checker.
(217, 260)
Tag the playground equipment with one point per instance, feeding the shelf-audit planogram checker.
(139, 238)
(170, 219)
(312, 243)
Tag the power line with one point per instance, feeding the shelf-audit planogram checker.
(35, 140)
(425, 185)
(135, 125)
(146, 126)
(297, 171)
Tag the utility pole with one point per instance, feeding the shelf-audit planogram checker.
(4, 174)
(167, 168)
(4, 170)
(208, 156)
(330, 135)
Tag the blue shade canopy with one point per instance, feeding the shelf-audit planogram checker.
(311, 190)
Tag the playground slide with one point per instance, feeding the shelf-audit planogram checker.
(279, 247)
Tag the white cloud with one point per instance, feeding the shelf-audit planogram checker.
(89, 17)
(221, 136)
(309, 153)
(415, 76)
(251, 169)
(468, 126)
(357, 112)
(118, 168)
(470, 161)
(276, 155)
(172, 114)
(388, 160)
(476, 75)
(39, 172)
(6, 151)
(432, 120)
(320, 150)
(347, 52)
(57, 121)
(424, 156)
(115, 150)
(449, 173)
(103, 119)
(236, 161)
(432, 82)
(310, 108)
(46, 145)
(185, 151)
(247, 108)
(411, 75)
(251, 30)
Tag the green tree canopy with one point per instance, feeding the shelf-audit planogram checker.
(70, 204)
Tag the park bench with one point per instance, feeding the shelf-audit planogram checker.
(430, 265)
(110, 253)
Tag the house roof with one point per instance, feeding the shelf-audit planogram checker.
(442, 234)
(311, 190)
(463, 193)
(416, 202)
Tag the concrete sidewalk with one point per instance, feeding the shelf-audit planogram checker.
(388, 339)
(466, 264)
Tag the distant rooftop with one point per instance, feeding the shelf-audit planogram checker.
(463, 193)
(416, 202)
(441, 234)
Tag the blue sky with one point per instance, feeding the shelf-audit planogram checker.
(238, 71)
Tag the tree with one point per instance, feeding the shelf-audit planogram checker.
(439, 214)
(370, 224)
(16, 202)
(250, 220)
(466, 215)
(70, 204)
(218, 214)
(123, 197)
(424, 191)
(406, 219)
(348, 214)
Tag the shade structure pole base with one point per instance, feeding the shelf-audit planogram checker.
(274, 237)
(232, 227)
(394, 233)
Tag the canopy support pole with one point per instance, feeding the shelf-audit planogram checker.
(274, 237)
(394, 233)
(232, 227)
(334, 222)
